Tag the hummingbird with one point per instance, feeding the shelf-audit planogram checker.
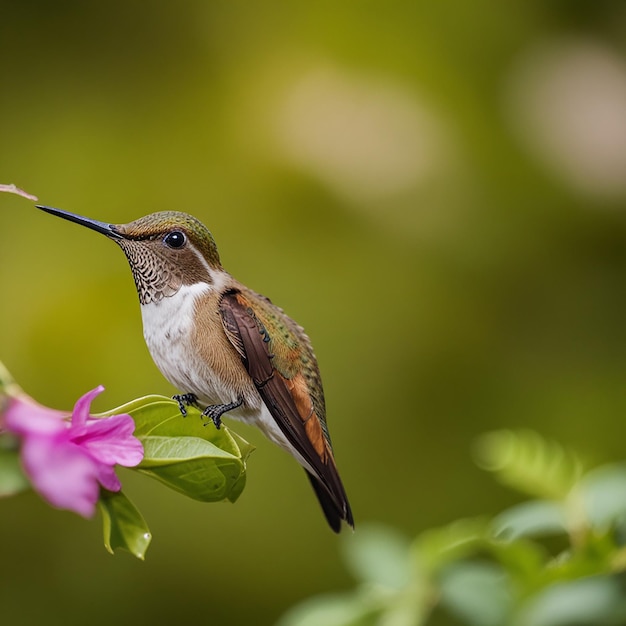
(228, 349)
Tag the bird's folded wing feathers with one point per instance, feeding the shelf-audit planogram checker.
(251, 340)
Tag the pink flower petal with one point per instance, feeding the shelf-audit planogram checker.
(110, 440)
(67, 461)
(62, 473)
(82, 406)
(25, 417)
(108, 478)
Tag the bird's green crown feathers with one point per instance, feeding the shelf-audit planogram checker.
(158, 224)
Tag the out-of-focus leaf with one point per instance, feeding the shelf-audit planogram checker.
(535, 518)
(479, 593)
(389, 595)
(527, 462)
(194, 467)
(437, 547)
(12, 478)
(123, 525)
(367, 606)
(523, 560)
(598, 601)
(405, 611)
(594, 555)
(378, 554)
(604, 494)
(334, 610)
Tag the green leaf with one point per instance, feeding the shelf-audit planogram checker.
(598, 600)
(594, 554)
(188, 454)
(535, 518)
(380, 555)
(604, 494)
(523, 560)
(12, 477)
(245, 449)
(194, 467)
(527, 462)
(333, 610)
(123, 525)
(479, 593)
(160, 416)
(437, 547)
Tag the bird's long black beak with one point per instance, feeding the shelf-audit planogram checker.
(101, 227)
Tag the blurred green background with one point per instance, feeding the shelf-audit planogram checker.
(436, 191)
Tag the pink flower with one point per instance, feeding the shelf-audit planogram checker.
(67, 461)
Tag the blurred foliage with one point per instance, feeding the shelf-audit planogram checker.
(503, 571)
(434, 190)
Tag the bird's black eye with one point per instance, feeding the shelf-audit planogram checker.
(175, 239)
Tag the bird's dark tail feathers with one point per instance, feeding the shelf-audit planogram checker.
(334, 511)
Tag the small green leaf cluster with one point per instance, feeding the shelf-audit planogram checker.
(200, 462)
(556, 559)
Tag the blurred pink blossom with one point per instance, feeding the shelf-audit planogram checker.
(68, 460)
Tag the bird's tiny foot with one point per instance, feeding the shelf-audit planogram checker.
(214, 415)
(184, 400)
(215, 411)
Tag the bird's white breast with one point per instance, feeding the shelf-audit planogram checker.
(168, 328)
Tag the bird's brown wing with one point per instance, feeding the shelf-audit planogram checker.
(288, 402)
